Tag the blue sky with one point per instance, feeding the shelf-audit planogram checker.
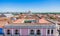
(33, 5)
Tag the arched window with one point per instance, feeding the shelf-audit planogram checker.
(32, 32)
(16, 31)
(38, 32)
(51, 31)
(27, 21)
(8, 31)
(59, 32)
(48, 31)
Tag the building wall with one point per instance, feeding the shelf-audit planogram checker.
(27, 31)
(24, 31)
(44, 31)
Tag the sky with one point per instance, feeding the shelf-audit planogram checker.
(32, 5)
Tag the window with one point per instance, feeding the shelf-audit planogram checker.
(8, 31)
(27, 21)
(32, 32)
(16, 31)
(34, 21)
(51, 31)
(59, 32)
(30, 21)
(38, 32)
(48, 31)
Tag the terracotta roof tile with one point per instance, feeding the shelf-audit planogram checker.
(43, 20)
(19, 21)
